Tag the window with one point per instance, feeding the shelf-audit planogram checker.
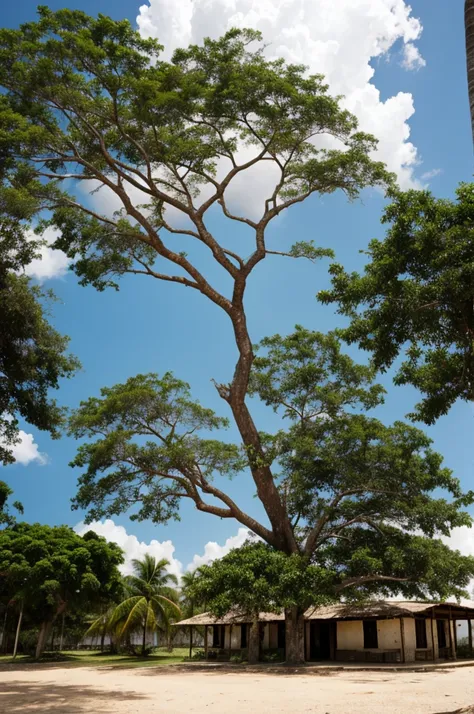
(243, 636)
(371, 641)
(218, 636)
(441, 633)
(420, 628)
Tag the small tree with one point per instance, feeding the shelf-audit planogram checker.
(416, 297)
(256, 578)
(149, 601)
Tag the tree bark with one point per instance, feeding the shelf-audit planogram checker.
(4, 632)
(254, 642)
(144, 633)
(469, 27)
(17, 634)
(61, 639)
(294, 636)
(45, 629)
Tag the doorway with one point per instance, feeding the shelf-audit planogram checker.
(320, 639)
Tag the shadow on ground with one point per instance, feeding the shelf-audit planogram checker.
(16, 697)
(467, 710)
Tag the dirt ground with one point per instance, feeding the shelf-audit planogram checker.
(170, 691)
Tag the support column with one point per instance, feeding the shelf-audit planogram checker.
(433, 653)
(230, 641)
(190, 642)
(402, 638)
(469, 633)
(451, 638)
(206, 643)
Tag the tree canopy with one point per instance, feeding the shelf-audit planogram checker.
(7, 518)
(58, 567)
(33, 355)
(416, 297)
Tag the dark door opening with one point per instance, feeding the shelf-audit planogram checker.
(441, 631)
(319, 640)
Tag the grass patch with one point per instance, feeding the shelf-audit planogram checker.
(86, 658)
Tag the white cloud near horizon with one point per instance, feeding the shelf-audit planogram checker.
(341, 40)
(136, 549)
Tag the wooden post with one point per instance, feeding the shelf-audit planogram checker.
(402, 637)
(230, 640)
(451, 639)
(433, 655)
(206, 643)
(469, 632)
(190, 641)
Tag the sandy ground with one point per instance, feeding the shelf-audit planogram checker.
(162, 691)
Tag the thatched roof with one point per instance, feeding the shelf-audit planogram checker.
(383, 609)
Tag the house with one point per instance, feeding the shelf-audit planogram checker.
(374, 631)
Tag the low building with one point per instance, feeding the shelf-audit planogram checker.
(375, 631)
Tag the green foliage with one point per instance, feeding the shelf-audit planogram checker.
(146, 446)
(6, 517)
(416, 297)
(33, 355)
(53, 570)
(87, 99)
(256, 578)
(150, 601)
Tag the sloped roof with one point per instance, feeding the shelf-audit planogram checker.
(342, 611)
(231, 618)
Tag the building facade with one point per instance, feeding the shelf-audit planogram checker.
(387, 632)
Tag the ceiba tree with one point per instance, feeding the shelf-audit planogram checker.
(88, 103)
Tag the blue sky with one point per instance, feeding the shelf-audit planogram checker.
(148, 326)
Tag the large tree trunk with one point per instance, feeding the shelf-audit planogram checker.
(17, 634)
(45, 629)
(294, 636)
(254, 642)
(469, 26)
(61, 639)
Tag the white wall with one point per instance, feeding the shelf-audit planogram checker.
(350, 635)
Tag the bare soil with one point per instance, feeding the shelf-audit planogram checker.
(160, 690)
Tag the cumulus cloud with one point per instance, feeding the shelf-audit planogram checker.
(50, 263)
(214, 551)
(26, 450)
(338, 39)
(412, 58)
(136, 549)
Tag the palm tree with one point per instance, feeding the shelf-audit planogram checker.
(151, 599)
(469, 26)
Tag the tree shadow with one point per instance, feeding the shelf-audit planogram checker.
(16, 697)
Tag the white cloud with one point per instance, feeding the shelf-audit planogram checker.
(214, 551)
(431, 174)
(338, 39)
(26, 451)
(132, 547)
(135, 549)
(51, 263)
(412, 58)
